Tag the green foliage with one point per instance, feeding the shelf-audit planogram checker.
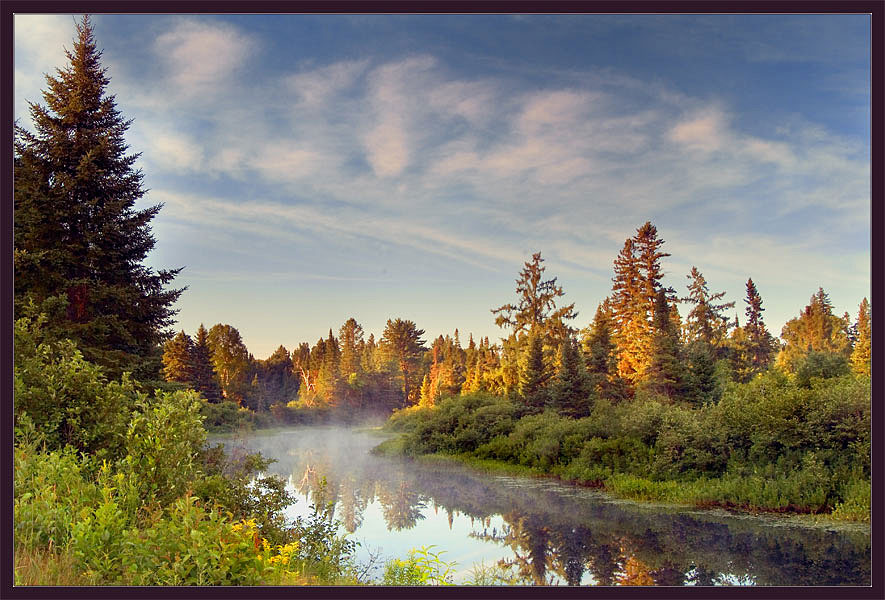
(67, 398)
(77, 234)
(163, 443)
(321, 550)
(822, 365)
(422, 567)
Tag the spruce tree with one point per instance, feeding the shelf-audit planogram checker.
(203, 375)
(403, 344)
(761, 345)
(533, 376)
(178, 360)
(351, 338)
(665, 373)
(815, 329)
(861, 357)
(77, 234)
(571, 392)
(705, 321)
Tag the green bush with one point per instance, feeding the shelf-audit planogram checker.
(163, 445)
(68, 399)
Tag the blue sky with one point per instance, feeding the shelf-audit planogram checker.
(315, 168)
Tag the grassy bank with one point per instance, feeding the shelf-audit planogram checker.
(767, 446)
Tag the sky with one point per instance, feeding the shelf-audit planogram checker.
(314, 168)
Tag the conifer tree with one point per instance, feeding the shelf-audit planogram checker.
(637, 279)
(533, 376)
(77, 234)
(861, 357)
(403, 344)
(351, 338)
(203, 378)
(426, 392)
(571, 392)
(815, 329)
(665, 374)
(761, 345)
(536, 310)
(705, 321)
(600, 358)
(178, 359)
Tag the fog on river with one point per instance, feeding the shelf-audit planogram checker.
(539, 530)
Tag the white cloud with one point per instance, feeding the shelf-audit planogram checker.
(202, 58)
(705, 131)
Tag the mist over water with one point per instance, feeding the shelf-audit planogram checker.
(541, 531)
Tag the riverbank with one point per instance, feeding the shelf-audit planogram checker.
(624, 488)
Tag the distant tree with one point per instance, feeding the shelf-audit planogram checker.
(427, 396)
(861, 357)
(571, 392)
(815, 329)
(77, 234)
(761, 345)
(637, 279)
(329, 378)
(535, 310)
(403, 344)
(533, 376)
(203, 378)
(665, 373)
(350, 338)
(178, 361)
(230, 359)
(702, 382)
(820, 365)
(600, 357)
(706, 321)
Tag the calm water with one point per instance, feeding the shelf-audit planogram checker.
(542, 531)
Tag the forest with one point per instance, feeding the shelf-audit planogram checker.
(115, 481)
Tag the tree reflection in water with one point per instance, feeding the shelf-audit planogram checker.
(553, 537)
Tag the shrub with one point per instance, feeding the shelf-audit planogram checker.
(163, 444)
(68, 398)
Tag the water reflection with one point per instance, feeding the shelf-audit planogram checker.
(549, 533)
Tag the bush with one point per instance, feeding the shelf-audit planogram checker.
(163, 444)
(68, 399)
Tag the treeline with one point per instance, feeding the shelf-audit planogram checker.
(637, 346)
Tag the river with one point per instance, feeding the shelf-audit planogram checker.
(540, 531)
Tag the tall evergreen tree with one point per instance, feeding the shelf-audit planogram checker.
(665, 374)
(204, 380)
(77, 234)
(637, 279)
(178, 363)
(536, 308)
(571, 393)
(861, 357)
(706, 321)
(403, 344)
(761, 345)
(533, 376)
(351, 338)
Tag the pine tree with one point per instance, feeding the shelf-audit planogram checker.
(203, 379)
(178, 359)
(816, 329)
(761, 345)
(536, 309)
(533, 376)
(665, 374)
(636, 281)
(403, 344)
(599, 352)
(705, 321)
(571, 392)
(351, 338)
(77, 235)
(861, 357)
